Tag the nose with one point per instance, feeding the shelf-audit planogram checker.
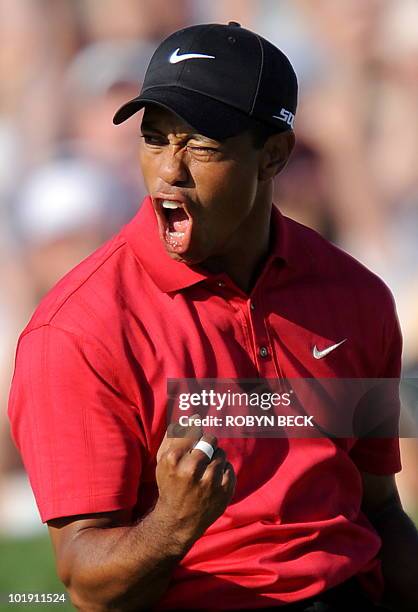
(173, 169)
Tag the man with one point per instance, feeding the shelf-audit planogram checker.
(209, 281)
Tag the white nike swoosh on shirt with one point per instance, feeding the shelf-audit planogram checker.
(319, 354)
(175, 58)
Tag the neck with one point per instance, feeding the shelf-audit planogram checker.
(246, 252)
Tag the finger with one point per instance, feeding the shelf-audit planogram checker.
(175, 430)
(178, 436)
(229, 480)
(215, 470)
(208, 439)
(196, 461)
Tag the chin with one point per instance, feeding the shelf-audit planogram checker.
(186, 258)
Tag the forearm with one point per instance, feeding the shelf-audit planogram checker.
(107, 563)
(124, 568)
(399, 555)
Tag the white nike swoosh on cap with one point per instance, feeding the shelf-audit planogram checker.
(319, 354)
(175, 58)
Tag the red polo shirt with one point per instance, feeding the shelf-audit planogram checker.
(88, 404)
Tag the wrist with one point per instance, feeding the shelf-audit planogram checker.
(178, 537)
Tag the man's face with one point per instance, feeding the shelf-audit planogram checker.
(202, 190)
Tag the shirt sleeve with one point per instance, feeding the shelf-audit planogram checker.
(79, 437)
(381, 455)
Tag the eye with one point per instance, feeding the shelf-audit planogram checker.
(201, 150)
(153, 139)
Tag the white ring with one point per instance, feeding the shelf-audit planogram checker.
(206, 448)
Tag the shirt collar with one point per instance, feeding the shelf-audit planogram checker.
(169, 275)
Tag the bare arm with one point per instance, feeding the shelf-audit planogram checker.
(107, 562)
(399, 535)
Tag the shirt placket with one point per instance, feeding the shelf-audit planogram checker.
(252, 314)
(263, 348)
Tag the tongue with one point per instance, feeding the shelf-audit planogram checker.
(178, 220)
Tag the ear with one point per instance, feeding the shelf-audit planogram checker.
(275, 154)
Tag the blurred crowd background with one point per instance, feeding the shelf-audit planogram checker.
(69, 178)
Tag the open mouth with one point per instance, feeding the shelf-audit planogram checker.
(175, 226)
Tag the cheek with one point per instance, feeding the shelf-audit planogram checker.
(227, 187)
(148, 167)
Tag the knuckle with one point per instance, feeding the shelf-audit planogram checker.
(220, 454)
(172, 430)
(213, 440)
(218, 460)
(189, 470)
(172, 456)
(231, 473)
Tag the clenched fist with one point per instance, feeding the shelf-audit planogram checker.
(193, 490)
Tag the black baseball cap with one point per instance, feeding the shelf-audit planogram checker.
(220, 79)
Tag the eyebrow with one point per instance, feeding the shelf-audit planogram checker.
(149, 126)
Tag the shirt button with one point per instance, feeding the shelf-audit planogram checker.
(263, 351)
(252, 306)
(221, 284)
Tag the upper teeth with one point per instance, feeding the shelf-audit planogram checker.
(170, 204)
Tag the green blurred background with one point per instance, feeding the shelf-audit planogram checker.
(357, 65)
(27, 566)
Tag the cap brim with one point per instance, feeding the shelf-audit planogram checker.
(206, 115)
